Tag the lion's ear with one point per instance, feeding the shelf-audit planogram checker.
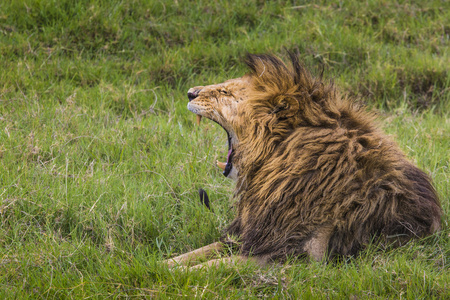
(285, 107)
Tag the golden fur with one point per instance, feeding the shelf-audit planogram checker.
(314, 174)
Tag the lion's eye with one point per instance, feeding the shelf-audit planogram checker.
(224, 92)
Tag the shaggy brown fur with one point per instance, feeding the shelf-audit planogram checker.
(314, 174)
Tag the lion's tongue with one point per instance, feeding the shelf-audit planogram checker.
(222, 165)
(229, 154)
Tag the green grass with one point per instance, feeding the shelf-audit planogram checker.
(100, 161)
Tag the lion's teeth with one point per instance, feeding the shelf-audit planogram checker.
(199, 118)
(221, 165)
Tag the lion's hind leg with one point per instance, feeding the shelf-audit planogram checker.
(194, 256)
(316, 247)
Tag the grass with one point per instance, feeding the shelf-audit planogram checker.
(100, 161)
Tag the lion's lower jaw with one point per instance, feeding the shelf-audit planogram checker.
(233, 173)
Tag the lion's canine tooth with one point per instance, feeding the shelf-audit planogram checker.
(199, 118)
(221, 165)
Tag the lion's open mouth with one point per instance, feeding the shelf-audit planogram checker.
(226, 167)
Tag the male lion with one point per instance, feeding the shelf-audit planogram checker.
(314, 174)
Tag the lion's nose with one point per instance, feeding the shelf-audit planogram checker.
(193, 93)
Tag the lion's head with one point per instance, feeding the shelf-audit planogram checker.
(223, 104)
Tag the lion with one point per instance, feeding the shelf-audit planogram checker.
(315, 177)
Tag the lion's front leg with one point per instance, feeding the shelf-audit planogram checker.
(193, 256)
(231, 261)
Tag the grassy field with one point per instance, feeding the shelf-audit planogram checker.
(100, 161)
